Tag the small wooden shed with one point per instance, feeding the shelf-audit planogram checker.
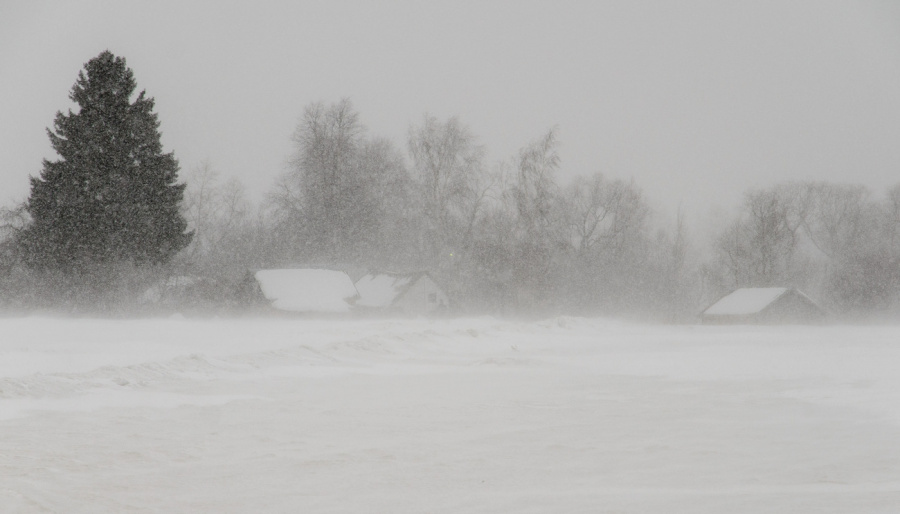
(763, 306)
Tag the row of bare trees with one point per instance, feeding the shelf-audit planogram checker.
(510, 238)
(501, 238)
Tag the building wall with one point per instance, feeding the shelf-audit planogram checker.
(422, 298)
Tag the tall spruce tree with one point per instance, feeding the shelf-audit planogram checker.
(112, 196)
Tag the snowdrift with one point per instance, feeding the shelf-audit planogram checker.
(477, 415)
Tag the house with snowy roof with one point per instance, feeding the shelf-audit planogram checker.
(305, 291)
(763, 305)
(411, 294)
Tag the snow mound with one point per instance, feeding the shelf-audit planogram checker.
(307, 290)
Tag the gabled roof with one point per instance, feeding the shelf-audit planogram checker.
(381, 289)
(307, 290)
(750, 300)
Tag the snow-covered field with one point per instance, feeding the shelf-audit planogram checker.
(473, 415)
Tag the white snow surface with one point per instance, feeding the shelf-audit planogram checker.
(446, 416)
(307, 290)
(750, 300)
(380, 290)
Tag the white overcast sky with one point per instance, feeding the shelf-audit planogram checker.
(696, 101)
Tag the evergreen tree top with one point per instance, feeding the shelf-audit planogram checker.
(108, 79)
(113, 194)
(107, 121)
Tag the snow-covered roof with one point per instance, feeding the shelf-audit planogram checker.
(307, 290)
(750, 300)
(382, 289)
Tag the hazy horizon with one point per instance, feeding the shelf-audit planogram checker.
(696, 102)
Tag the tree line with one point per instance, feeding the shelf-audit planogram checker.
(505, 239)
(111, 222)
(834, 241)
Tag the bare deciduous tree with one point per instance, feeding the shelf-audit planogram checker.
(603, 214)
(226, 229)
(448, 163)
(320, 200)
(759, 248)
(840, 219)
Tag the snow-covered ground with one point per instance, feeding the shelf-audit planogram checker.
(472, 415)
